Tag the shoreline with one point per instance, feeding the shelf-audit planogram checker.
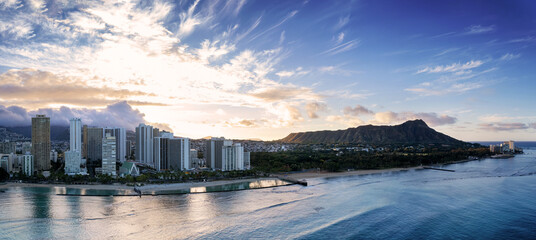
(325, 174)
(145, 188)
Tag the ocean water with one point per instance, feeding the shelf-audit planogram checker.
(483, 199)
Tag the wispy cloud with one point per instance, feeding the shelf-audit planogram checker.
(495, 127)
(510, 56)
(344, 47)
(479, 29)
(455, 67)
(343, 21)
(285, 19)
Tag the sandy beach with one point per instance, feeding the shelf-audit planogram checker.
(325, 174)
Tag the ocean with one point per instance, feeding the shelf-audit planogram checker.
(482, 199)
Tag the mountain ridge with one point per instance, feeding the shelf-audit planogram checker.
(409, 132)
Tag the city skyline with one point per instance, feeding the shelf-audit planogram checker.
(252, 69)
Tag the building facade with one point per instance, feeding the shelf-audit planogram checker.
(8, 147)
(28, 164)
(232, 157)
(144, 144)
(75, 130)
(109, 155)
(72, 162)
(213, 152)
(41, 142)
(120, 142)
(94, 146)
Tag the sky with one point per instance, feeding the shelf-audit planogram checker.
(263, 69)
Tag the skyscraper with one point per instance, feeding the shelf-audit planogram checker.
(179, 153)
(28, 164)
(120, 141)
(41, 142)
(94, 146)
(73, 157)
(144, 144)
(213, 155)
(232, 157)
(109, 155)
(75, 135)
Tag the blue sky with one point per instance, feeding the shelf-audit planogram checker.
(263, 69)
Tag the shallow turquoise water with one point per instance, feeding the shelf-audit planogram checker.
(486, 199)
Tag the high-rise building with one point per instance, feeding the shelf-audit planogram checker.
(28, 164)
(160, 153)
(75, 130)
(171, 153)
(213, 152)
(179, 153)
(6, 162)
(144, 144)
(120, 141)
(72, 162)
(8, 147)
(94, 146)
(232, 157)
(41, 142)
(84, 142)
(109, 155)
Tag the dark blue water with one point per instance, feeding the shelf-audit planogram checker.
(485, 199)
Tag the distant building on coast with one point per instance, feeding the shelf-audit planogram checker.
(505, 147)
(41, 142)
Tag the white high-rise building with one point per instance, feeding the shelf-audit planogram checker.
(232, 157)
(109, 155)
(28, 164)
(120, 142)
(76, 135)
(72, 162)
(144, 144)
